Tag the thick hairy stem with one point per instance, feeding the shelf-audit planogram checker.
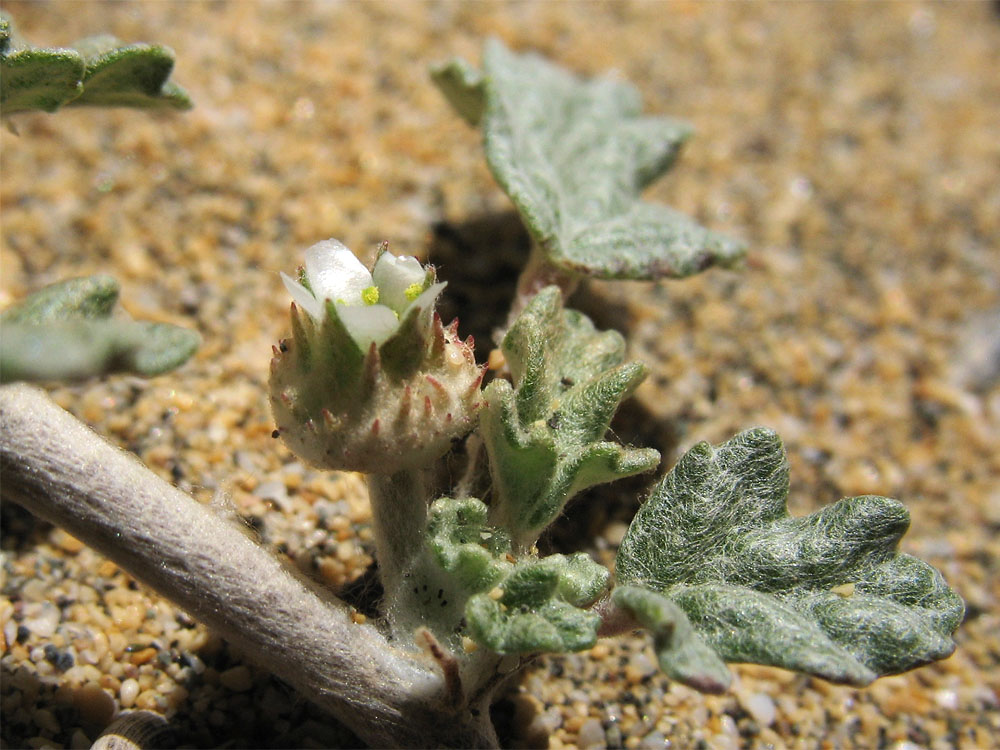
(399, 513)
(61, 471)
(535, 276)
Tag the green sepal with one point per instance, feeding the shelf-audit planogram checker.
(338, 354)
(574, 156)
(403, 353)
(540, 609)
(682, 653)
(544, 435)
(828, 594)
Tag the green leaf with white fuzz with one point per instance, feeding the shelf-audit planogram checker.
(90, 297)
(94, 71)
(828, 594)
(38, 79)
(574, 156)
(462, 556)
(464, 545)
(65, 332)
(541, 607)
(545, 434)
(463, 86)
(466, 581)
(128, 75)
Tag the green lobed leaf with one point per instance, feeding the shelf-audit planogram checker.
(545, 434)
(828, 594)
(95, 71)
(64, 332)
(40, 79)
(463, 86)
(462, 556)
(466, 581)
(88, 297)
(76, 349)
(133, 75)
(541, 607)
(574, 156)
(464, 545)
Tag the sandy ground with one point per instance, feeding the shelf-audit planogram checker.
(853, 147)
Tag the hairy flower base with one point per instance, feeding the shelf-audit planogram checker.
(366, 413)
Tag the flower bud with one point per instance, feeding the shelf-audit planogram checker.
(370, 380)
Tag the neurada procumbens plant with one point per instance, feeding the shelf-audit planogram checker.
(712, 566)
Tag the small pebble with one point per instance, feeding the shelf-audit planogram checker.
(9, 633)
(144, 656)
(128, 692)
(44, 624)
(591, 735)
(542, 726)
(761, 707)
(65, 542)
(150, 700)
(61, 660)
(35, 590)
(274, 491)
(615, 532)
(655, 740)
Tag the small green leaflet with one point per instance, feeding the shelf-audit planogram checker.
(545, 434)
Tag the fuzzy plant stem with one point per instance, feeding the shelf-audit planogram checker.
(537, 274)
(399, 514)
(64, 473)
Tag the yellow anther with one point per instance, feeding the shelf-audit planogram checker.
(370, 295)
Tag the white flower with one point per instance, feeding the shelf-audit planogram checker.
(370, 305)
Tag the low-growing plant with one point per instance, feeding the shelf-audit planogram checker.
(370, 379)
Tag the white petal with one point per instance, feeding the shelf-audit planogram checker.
(335, 273)
(369, 323)
(393, 276)
(302, 296)
(425, 302)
